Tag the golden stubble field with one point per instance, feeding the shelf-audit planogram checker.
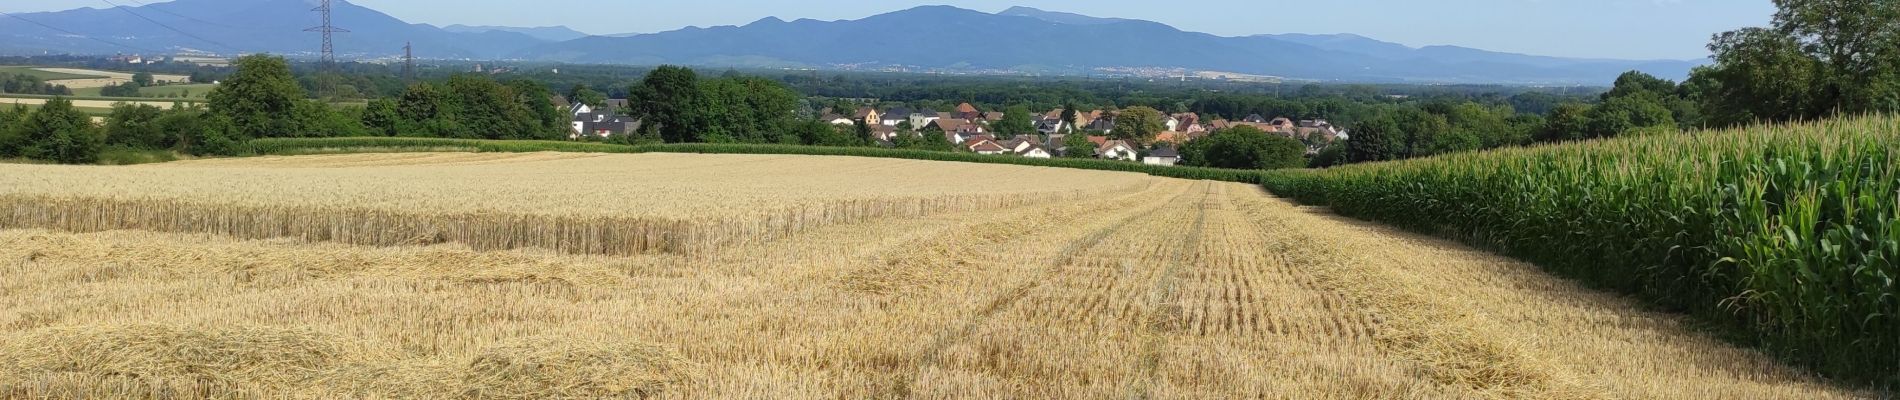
(938, 280)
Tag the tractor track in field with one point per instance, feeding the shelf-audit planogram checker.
(1164, 313)
(932, 354)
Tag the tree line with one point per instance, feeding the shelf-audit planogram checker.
(1818, 59)
(29, 84)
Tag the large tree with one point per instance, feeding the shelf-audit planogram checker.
(1077, 145)
(1138, 124)
(1819, 58)
(1377, 139)
(58, 132)
(1245, 147)
(135, 126)
(748, 110)
(670, 104)
(258, 97)
(1015, 122)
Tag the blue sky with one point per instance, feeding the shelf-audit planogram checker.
(1635, 29)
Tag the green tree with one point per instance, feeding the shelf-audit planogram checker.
(1819, 58)
(488, 110)
(314, 118)
(549, 123)
(670, 104)
(58, 132)
(143, 79)
(862, 132)
(1077, 145)
(748, 109)
(1246, 147)
(1330, 156)
(126, 89)
(258, 96)
(1138, 125)
(135, 126)
(1567, 122)
(1015, 122)
(1627, 114)
(1377, 139)
(381, 117)
(199, 133)
(10, 119)
(591, 98)
(1068, 116)
(1759, 74)
(426, 111)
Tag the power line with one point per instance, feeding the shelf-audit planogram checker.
(128, 10)
(75, 33)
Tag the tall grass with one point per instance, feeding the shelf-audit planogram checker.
(381, 144)
(1785, 235)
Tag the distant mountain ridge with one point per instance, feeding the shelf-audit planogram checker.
(1031, 40)
(234, 26)
(930, 38)
(548, 33)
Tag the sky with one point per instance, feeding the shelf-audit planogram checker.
(1625, 29)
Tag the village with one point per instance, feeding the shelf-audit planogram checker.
(970, 129)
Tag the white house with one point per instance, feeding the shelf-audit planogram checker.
(987, 147)
(1116, 150)
(923, 118)
(1165, 156)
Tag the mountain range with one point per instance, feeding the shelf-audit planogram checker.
(929, 38)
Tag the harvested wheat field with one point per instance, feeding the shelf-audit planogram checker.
(1007, 282)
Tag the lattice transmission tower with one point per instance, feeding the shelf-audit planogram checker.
(329, 49)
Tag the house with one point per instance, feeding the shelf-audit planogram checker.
(600, 122)
(1281, 124)
(1055, 145)
(1115, 150)
(922, 118)
(1101, 125)
(973, 139)
(836, 119)
(896, 116)
(868, 115)
(1034, 150)
(1173, 137)
(1255, 118)
(967, 111)
(1050, 126)
(602, 125)
(884, 132)
(954, 126)
(1162, 155)
(986, 147)
(1188, 119)
(992, 116)
(1171, 123)
(1022, 144)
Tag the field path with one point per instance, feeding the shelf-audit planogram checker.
(1168, 289)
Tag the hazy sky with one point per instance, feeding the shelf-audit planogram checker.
(1645, 29)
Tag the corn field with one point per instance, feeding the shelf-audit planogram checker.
(1040, 283)
(1787, 234)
